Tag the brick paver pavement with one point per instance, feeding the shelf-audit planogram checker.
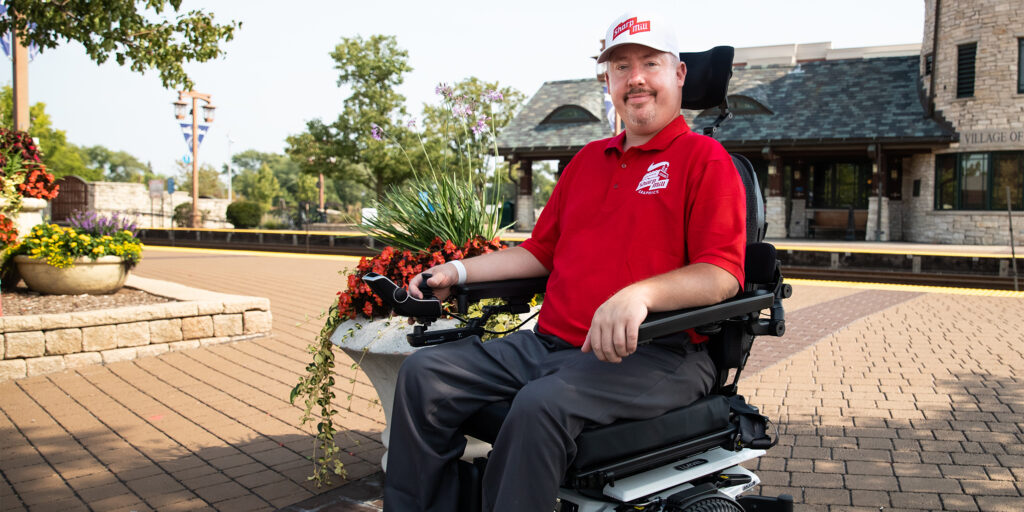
(208, 428)
(888, 399)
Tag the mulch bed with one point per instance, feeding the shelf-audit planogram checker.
(22, 301)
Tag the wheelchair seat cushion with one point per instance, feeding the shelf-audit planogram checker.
(606, 443)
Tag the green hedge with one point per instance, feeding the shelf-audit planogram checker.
(245, 214)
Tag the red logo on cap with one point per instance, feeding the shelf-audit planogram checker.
(633, 26)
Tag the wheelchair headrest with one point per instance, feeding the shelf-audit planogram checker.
(707, 77)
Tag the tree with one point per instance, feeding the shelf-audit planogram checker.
(258, 186)
(60, 157)
(119, 165)
(372, 68)
(209, 180)
(136, 33)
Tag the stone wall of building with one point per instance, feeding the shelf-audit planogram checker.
(133, 200)
(992, 119)
(923, 223)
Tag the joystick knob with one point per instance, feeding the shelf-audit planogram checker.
(425, 289)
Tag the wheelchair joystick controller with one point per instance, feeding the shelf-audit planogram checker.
(425, 289)
(425, 310)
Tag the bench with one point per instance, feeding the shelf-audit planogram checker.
(836, 224)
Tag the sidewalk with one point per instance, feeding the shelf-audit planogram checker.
(885, 398)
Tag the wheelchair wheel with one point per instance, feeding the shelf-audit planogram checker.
(711, 504)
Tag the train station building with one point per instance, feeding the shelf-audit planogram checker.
(918, 142)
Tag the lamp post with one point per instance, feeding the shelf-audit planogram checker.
(181, 109)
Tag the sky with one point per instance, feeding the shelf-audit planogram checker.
(277, 73)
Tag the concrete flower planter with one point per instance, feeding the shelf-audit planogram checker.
(379, 348)
(31, 214)
(106, 274)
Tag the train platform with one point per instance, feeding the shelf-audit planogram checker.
(888, 397)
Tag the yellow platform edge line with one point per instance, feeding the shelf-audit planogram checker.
(978, 292)
(897, 252)
(276, 254)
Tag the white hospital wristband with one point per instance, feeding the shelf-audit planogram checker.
(461, 269)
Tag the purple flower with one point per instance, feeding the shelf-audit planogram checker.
(494, 96)
(443, 89)
(462, 110)
(376, 132)
(90, 223)
(481, 125)
(411, 123)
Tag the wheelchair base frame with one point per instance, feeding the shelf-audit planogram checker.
(651, 490)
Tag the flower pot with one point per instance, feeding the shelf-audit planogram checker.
(106, 274)
(379, 347)
(31, 214)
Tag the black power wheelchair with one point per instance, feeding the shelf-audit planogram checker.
(689, 458)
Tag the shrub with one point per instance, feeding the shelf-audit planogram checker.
(38, 182)
(244, 214)
(183, 215)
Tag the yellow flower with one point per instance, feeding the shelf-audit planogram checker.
(74, 244)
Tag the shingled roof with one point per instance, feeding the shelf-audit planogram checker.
(525, 131)
(836, 102)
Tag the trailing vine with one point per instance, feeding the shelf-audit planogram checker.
(317, 386)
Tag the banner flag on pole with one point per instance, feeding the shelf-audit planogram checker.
(5, 39)
(186, 131)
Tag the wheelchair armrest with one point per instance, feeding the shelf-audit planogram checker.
(514, 291)
(663, 324)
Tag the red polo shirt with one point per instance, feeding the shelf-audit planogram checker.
(615, 219)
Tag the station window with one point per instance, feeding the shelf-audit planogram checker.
(979, 181)
(929, 62)
(1020, 65)
(840, 184)
(965, 56)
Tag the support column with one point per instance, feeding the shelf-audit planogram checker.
(20, 69)
(774, 200)
(524, 197)
(877, 228)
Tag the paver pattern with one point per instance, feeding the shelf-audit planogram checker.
(890, 399)
(917, 407)
(209, 428)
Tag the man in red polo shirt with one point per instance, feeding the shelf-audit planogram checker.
(650, 220)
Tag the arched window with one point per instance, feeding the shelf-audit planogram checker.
(569, 114)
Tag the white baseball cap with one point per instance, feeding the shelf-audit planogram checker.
(643, 28)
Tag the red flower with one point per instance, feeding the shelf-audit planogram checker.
(400, 267)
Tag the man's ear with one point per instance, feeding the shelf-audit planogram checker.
(681, 73)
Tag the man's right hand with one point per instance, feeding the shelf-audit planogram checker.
(443, 277)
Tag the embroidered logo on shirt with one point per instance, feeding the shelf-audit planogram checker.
(655, 179)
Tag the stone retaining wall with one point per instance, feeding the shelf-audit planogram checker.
(38, 344)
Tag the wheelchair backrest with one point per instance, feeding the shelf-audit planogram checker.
(707, 86)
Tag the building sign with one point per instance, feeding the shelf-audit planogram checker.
(156, 188)
(990, 138)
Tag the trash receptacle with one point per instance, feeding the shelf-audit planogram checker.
(508, 213)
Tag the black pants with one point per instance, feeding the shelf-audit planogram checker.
(557, 390)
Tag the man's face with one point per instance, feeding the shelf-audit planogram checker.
(646, 87)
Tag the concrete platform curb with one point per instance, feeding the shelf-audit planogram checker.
(38, 344)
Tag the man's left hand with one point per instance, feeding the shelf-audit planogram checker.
(613, 331)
